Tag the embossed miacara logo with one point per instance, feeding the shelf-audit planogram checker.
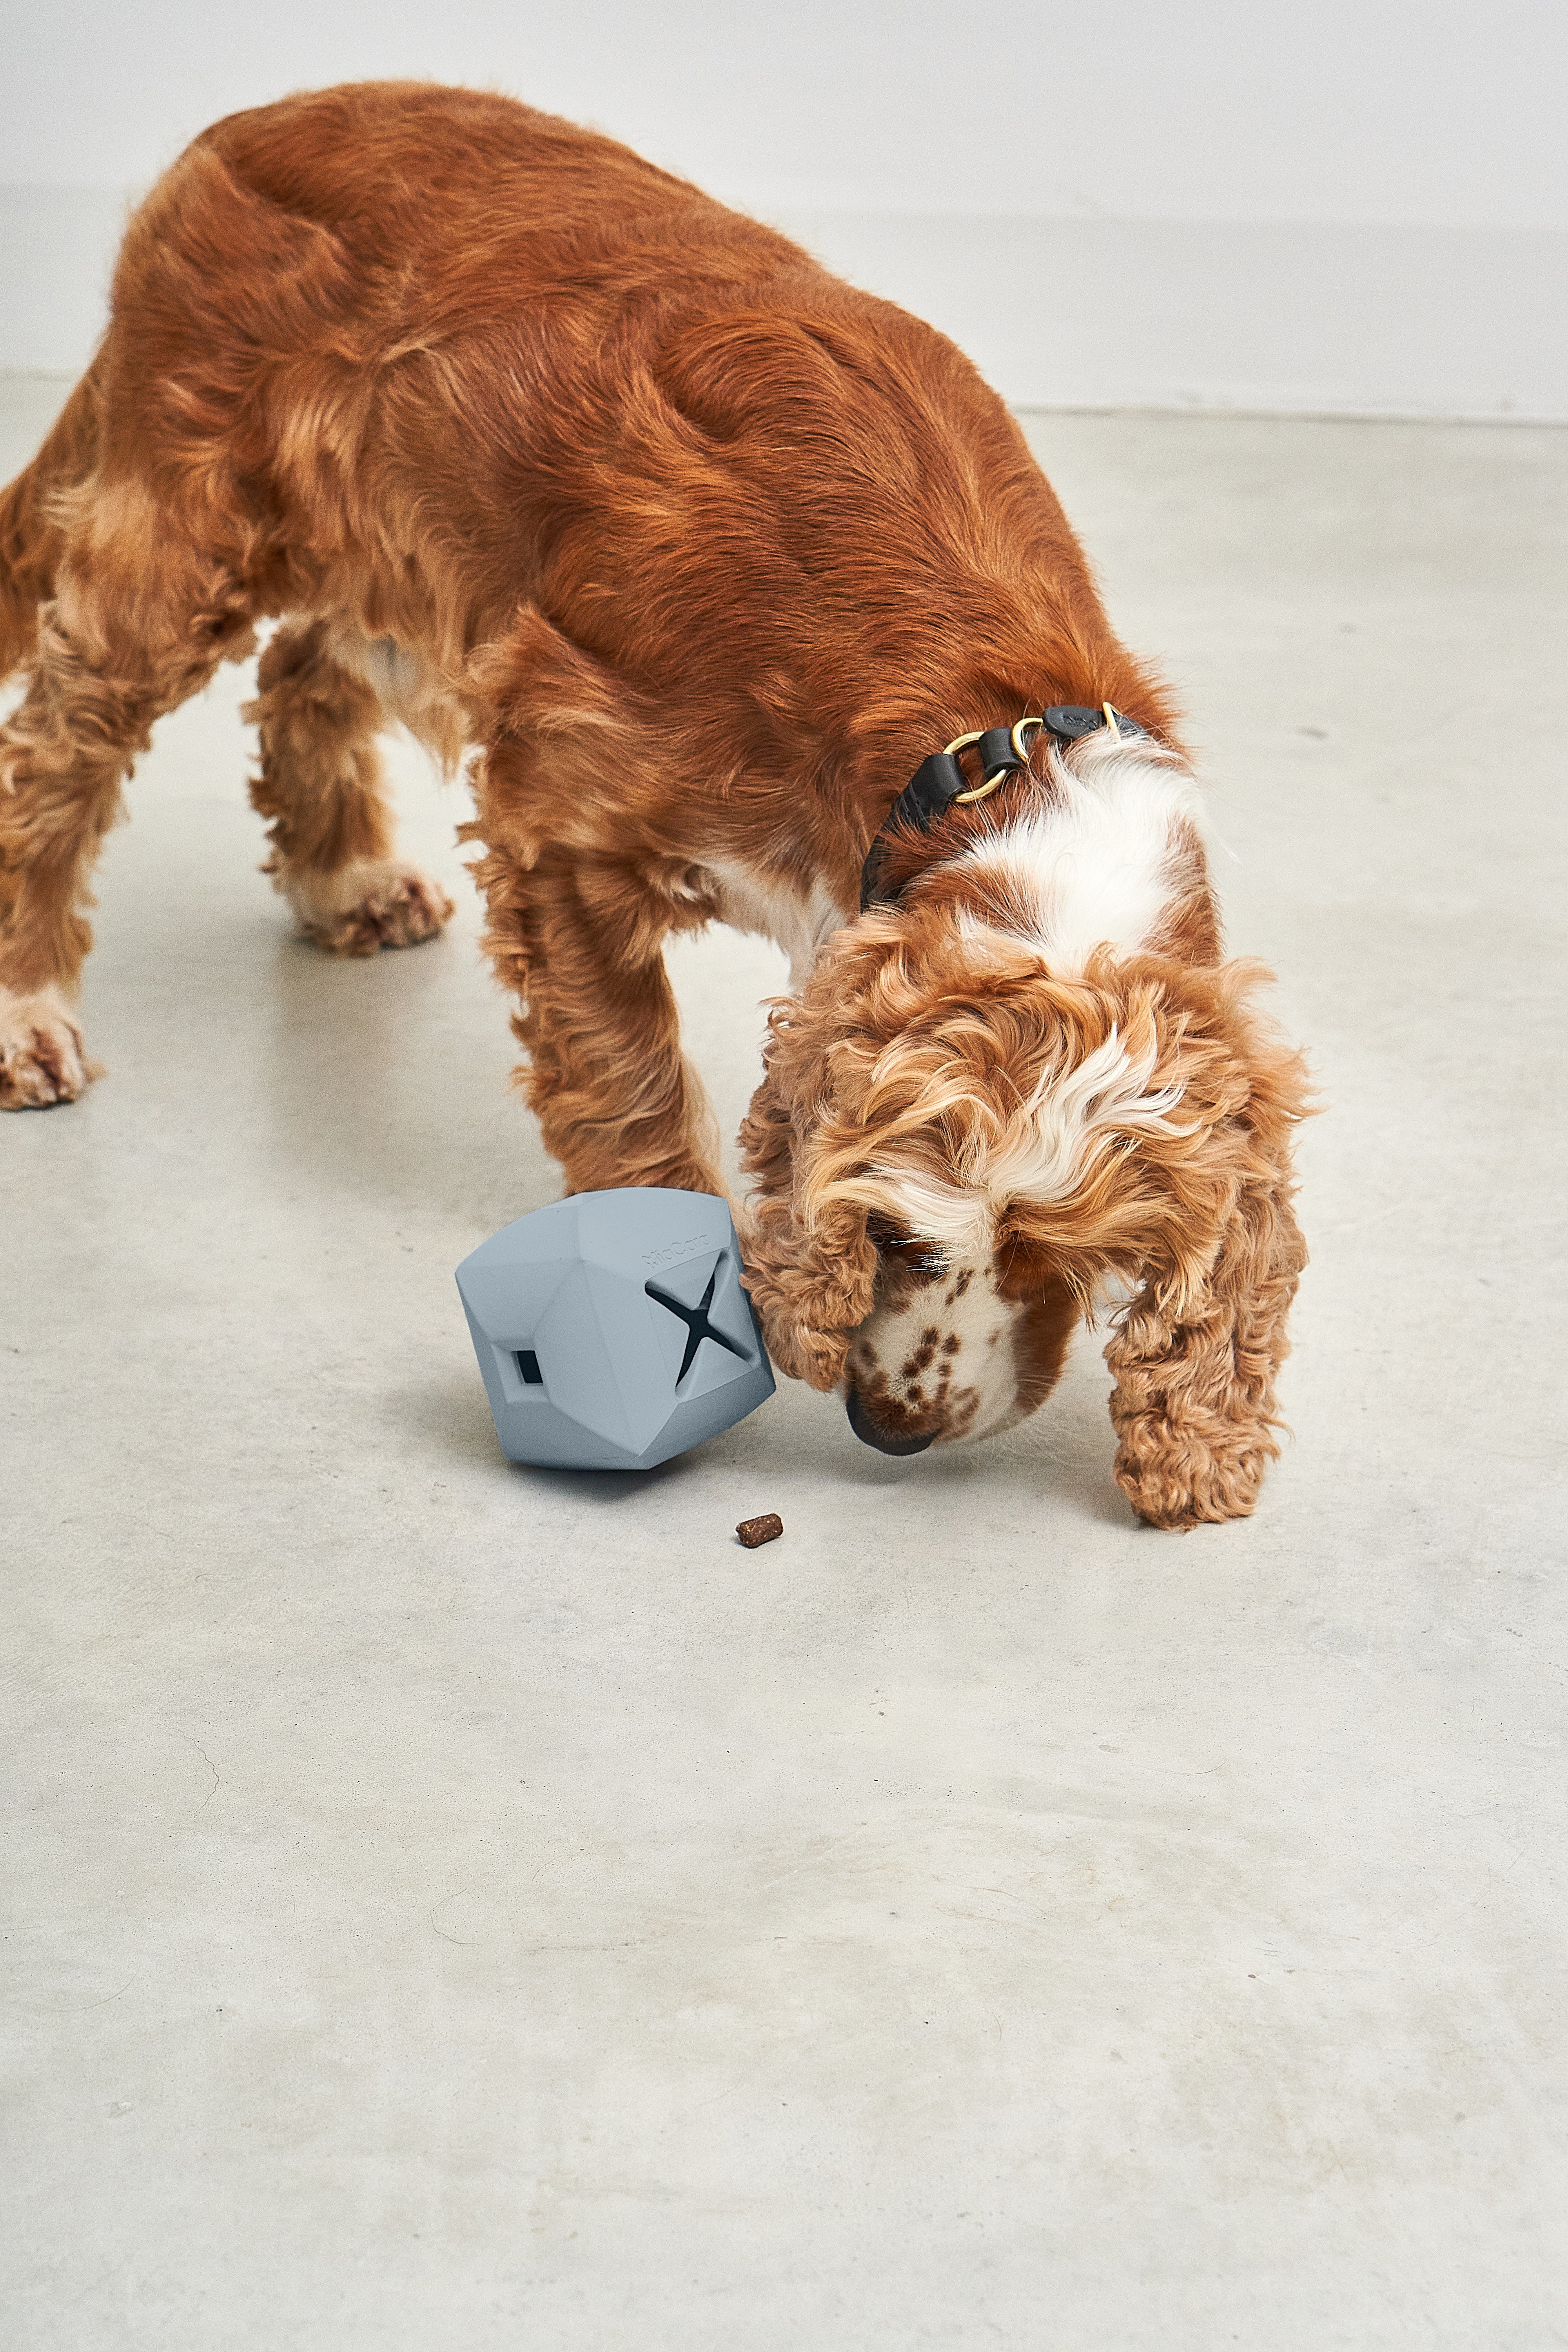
(672, 1250)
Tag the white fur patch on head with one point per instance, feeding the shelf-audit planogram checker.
(1096, 865)
(1072, 1118)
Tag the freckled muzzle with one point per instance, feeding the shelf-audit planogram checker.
(884, 1440)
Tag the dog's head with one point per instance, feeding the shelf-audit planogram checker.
(960, 1145)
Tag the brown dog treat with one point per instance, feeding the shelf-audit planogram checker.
(754, 1532)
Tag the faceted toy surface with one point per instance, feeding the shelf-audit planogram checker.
(612, 1329)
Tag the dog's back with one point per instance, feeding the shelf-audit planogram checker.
(400, 317)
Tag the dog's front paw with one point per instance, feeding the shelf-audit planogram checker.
(372, 904)
(42, 1059)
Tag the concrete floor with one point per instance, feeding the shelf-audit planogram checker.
(452, 1906)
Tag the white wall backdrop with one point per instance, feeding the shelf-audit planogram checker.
(1229, 201)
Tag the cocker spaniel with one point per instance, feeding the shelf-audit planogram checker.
(533, 446)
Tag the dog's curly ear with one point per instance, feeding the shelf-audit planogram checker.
(1196, 1351)
(811, 1270)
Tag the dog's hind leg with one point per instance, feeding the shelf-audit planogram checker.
(322, 789)
(139, 617)
(31, 539)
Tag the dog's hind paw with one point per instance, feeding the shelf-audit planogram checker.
(42, 1059)
(371, 904)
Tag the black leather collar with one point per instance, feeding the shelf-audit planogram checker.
(937, 783)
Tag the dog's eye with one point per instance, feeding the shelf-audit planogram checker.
(1028, 1267)
(907, 1250)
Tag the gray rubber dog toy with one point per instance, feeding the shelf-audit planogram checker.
(612, 1329)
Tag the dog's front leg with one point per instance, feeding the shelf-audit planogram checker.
(581, 941)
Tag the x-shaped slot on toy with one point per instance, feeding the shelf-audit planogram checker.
(698, 1326)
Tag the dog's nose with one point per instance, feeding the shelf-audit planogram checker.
(867, 1431)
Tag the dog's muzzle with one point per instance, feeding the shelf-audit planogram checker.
(867, 1432)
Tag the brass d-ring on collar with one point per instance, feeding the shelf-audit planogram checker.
(998, 775)
(939, 782)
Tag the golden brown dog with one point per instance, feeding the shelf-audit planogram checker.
(541, 450)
